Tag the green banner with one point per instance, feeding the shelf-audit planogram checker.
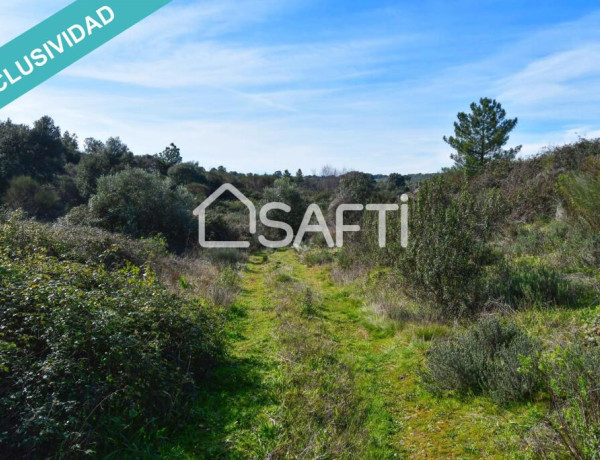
(64, 38)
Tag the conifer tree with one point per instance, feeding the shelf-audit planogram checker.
(480, 136)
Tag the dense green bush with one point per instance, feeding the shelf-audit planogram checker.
(38, 151)
(527, 283)
(141, 203)
(82, 244)
(91, 359)
(572, 428)
(471, 248)
(355, 187)
(286, 191)
(529, 186)
(187, 173)
(491, 357)
(448, 251)
(100, 159)
(36, 200)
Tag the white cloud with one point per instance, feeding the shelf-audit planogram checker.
(553, 77)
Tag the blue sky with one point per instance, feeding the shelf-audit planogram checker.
(265, 85)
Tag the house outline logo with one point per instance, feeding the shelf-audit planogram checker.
(200, 211)
(313, 211)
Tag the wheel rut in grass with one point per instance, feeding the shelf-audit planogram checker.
(313, 374)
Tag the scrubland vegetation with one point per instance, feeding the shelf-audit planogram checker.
(508, 257)
(120, 338)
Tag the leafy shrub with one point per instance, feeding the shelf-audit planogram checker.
(526, 283)
(82, 244)
(139, 203)
(186, 173)
(355, 187)
(572, 429)
(529, 185)
(581, 193)
(318, 257)
(447, 253)
(308, 305)
(226, 256)
(25, 193)
(203, 273)
(89, 358)
(492, 358)
(100, 159)
(38, 152)
(286, 191)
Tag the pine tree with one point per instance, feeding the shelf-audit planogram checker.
(170, 156)
(479, 136)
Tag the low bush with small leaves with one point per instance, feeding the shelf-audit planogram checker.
(563, 245)
(492, 358)
(308, 305)
(572, 428)
(318, 257)
(229, 257)
(527, 283)
(76, 243)
(92, 359)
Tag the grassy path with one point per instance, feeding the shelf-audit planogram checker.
(313, 374)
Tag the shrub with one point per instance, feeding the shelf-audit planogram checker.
(492, 358)
(90, 168)
(100, 159)
(318, 257)
(38, 152)
(141, 203)
(82, 244)
(225, 287)
(529, 185)
(308, 305)
(226, 256)
(36, 200)
(89, 358)
(355, 187)
(581, 193)
(186, 173)
(286, 191)
(526, 283)
(572, 428)
(448, 252)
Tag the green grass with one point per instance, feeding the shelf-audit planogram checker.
(235, 412)
(292, 380)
